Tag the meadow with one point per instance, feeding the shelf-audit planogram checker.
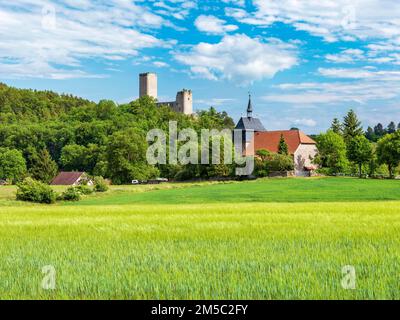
(265, 239)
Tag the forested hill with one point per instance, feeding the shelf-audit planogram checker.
(32, 105)
(60, 132)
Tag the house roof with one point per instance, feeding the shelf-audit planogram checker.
(66, 178)
(269, 140)
(250, 124)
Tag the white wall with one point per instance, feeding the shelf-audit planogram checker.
(303, 158)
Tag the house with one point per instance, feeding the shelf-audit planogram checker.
(71, 179)
(301, 147)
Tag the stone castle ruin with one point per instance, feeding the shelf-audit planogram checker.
(148, 86)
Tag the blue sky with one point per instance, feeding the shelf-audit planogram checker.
(305, 62)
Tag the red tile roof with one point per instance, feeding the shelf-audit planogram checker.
(66, 178)
(269, 140)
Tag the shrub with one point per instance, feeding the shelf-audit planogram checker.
(100, 184)
(84, 189)
(184, 175)
(259, 168)
(71, 194)
(34, 191)
(279, 163)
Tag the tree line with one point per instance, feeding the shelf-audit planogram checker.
(42, 132)
(346, 149)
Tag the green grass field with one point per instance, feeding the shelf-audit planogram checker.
(266, 239)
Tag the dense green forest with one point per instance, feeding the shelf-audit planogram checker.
(42, 132)
(61, 132)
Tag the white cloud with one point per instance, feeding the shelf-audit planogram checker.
(331, 19)
(160, 64)
(346, 73)
(240, 3)
(346, 56)
(364, 73)
(177, 9)
(305, 122)
(376, 54)
(239, 58)
(215, 101)
(50, 41)
(361, 86)
(213, 25)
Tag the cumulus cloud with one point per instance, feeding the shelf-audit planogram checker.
(39, 39)
(239, 58)
(213, 25)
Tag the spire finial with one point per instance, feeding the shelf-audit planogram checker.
(250, 107)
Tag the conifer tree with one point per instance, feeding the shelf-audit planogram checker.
(391, 128)
(44, 168)
(283, 147)
(336, 126)
(351, 126)
(379, 131)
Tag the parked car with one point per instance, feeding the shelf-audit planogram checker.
(3, 182)
(135, 182)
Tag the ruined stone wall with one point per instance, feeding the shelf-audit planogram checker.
(184, 102)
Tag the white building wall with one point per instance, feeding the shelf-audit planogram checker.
(303, 157)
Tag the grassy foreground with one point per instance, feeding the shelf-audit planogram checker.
(231, 250)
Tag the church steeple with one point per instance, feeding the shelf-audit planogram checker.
(250, 108)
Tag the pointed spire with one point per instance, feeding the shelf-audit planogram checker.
(250, 108)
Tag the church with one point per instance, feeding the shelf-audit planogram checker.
(301, 147)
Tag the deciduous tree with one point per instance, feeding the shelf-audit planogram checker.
(359, 151)
(331, 152)
(12, 165)
(388, 151)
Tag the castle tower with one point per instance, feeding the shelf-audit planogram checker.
(148, 85)
(184, 102)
